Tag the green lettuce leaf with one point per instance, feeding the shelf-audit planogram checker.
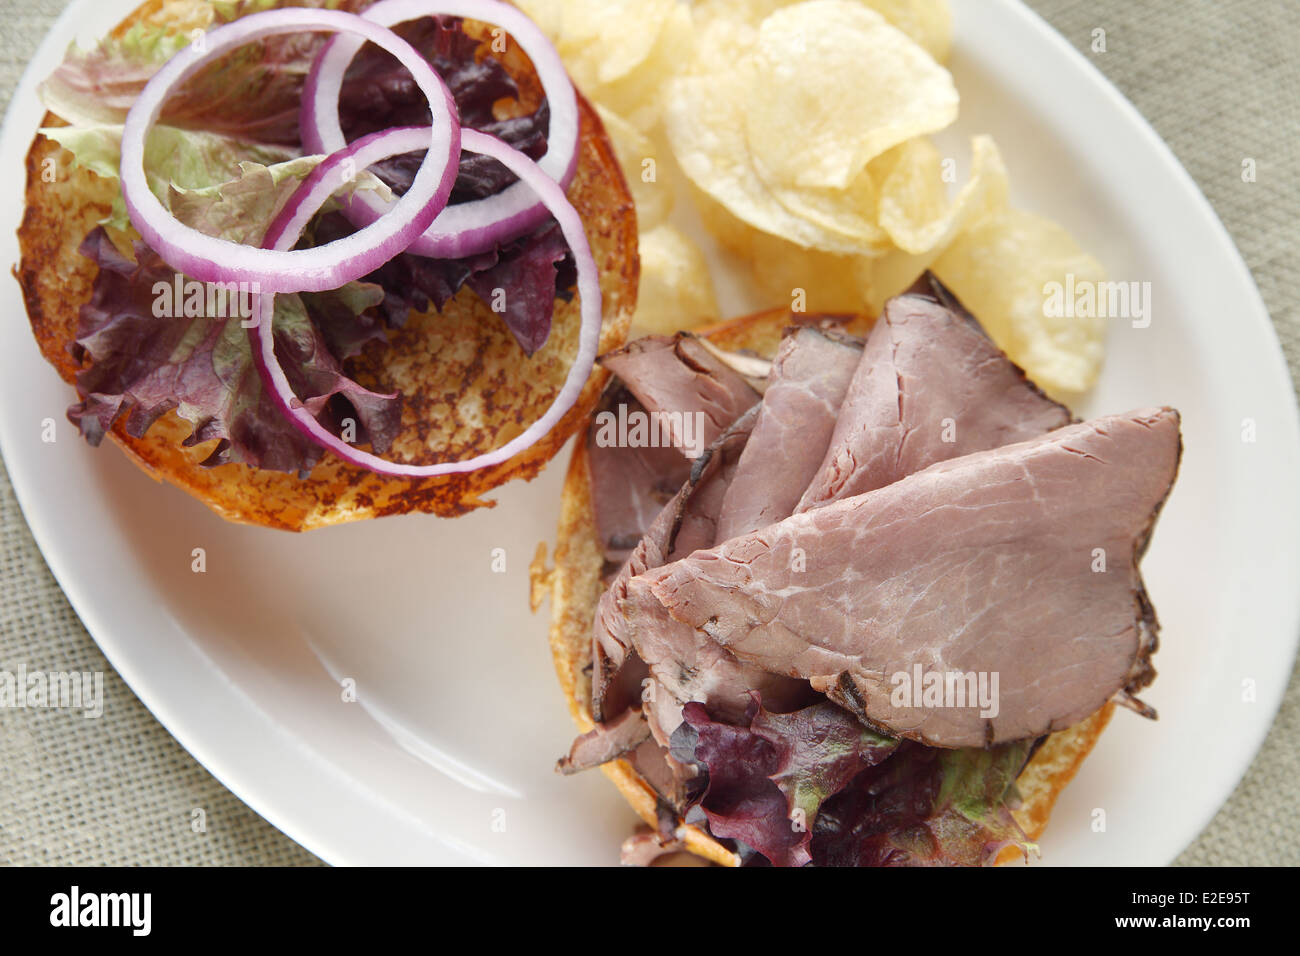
(98, 86)
(179, 160)
(926, 807)
(252, 92)
(221, 185)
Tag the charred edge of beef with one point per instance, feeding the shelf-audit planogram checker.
(928, 286)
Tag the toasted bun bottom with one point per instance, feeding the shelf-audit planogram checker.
(467, 386)
(574, 585)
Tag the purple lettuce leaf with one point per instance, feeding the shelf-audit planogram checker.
(348, 318)
(527, 277)
(530, 272)
(379, 93)
(144, 365)
(767, 780)
(925, 807)
(522, 277)
(820, 749)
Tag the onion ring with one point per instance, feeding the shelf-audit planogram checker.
(469, 228)
(303, 205)
(210, 259)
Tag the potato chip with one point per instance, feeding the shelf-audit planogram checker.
(601, 40)
(786, 275)
(725, 32)
(912, 187)
(547, 14)
(1001, 269)
(850, 214)
(651, 186)
(732, 234)
(843, 220)
(916, 212)
(618, 52)
(801, 130)
(676, 290)
(704, 117)
(914, 207)
(834, 86)
(928, 22)
(805, 280)
(637, 95)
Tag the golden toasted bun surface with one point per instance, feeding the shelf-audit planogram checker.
(574, 585)
(466, 385)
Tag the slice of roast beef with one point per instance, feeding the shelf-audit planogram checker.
(679, 376)
(606, 742)
(673, 397)
(928, 285)
(1019, 564)
(685, 664)
(697, 525)
(672, 780)
(611, 642)
(806, 387)
(694, 394)
(931, 386)
(772, 451)
(642, 849)
(629, 484)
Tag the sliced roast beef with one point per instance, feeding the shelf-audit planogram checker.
(692, 393)
(692, 666)
(673, 397)
(931, 386)
(805, 389)
(610, 639)
(630, 484)
(606, 742)
(642, 849)
(668, 777)
(697, 526)
(1018, 564)
(756, 482)
(685, 664)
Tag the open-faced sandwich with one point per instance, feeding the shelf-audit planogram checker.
(301, 259)
(850, 599)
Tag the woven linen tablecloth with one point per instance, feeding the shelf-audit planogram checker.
(1219, 80)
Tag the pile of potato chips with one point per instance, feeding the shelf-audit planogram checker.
(800, 132)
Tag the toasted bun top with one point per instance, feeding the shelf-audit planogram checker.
(575, 585)
(467, 386)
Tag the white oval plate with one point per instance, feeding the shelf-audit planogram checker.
(448, 756)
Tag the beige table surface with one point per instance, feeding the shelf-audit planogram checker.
(1219, 80)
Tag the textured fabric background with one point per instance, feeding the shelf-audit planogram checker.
(1219, 81)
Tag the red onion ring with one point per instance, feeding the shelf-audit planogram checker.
(464, 229)
(305, 202)
(209, 259)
